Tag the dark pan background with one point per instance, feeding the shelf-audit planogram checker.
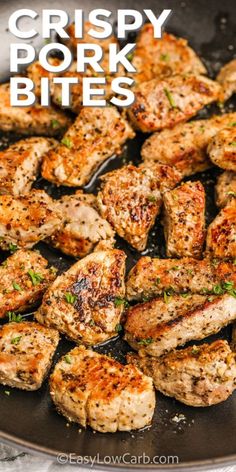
(207, 437)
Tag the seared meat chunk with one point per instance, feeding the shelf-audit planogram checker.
(225, 188)
(131, 198)
(72, 42)
(185, 145)
(158, 58)
(83, 227)
(96, 134)
(26, 351)
(227, 79)
(222, 149)
(86, 302)
(35, 119)
(165, 103)
(151, 277)
(96, 390)
(221, 234)
(184, 220)
(170, 327)
(26, 220)
(24, 277)
(197, 376)
(20, 164)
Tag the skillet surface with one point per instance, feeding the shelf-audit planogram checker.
(205, 437)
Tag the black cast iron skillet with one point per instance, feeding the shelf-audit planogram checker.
(207, 436)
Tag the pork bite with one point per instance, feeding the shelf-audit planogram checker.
(95, 390)
(198, 376)
(184, 220)
(165, 103)
(225, 189)
(20, 164)
(221, 233)
(35, 119)
(227, 80)
(131, 198)
(26, 351)
(27, 219)
(96, 134)
(86, 302)
(83, 228)
(222, 149)
(24, 277)
(72, 41)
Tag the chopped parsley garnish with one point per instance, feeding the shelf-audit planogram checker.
(151, 198)
(232, 124)
(164, 57)
(16, 286)
(233, 143)
(217, 290)
(67, 142)
(67, 359)
(16, 340)
(12, 316)
(158, 280)
(145, 342)
(91, 323)
(185, 295)
(233, 194)
(167, 296)
(70, 298)
(118, 328)
(130, 56)
(36, 278)
(225, 287)
(7, 392)
(12, 248)
(195, 350)
(55, 124)
(175, 268)
(120, 301)
(170, 98)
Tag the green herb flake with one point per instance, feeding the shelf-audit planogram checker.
(12, 316)
(164, 57)
(121, 301)
(7, 392)
(16, 286)
(12, 248)
(195, 350)
(130, 56)
(67, 142)
(145, 342)
(118, 328)
(70, 298)
(158, 280)
(67, 359)
(55, 124)
(233, 143)
(232, 124)
(232, 194)
(217, 290)
(152, 198)
(16, 340)
(167, 296)
(170, 98)
(175, 268)
(185, 295)
(36, 278)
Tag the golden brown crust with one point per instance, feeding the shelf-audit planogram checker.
(221, 233)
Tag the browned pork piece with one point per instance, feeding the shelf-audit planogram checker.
(225, 188)
(165, 103)
(154, 329)
(227, 79)
(197, 376)
(27, 219)
(163, 57)
(86, 302)
(72, 41)
(131, 198)
(20, 164)
(152, 276)
(95, 390)
(185, 146)
(83, 227)
(26, 351)
(221, 234)
(96, 134)
(184, 220)
(24, 277)
(35, 119)
(222, 149)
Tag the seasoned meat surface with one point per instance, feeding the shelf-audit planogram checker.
(83, 227)
(35, 119)
(151, 277)
(175, 328)
(27, 219)
(184, 220)
(185, 145)
(86, 302)
(72, 41)
(26, 351)
(20, 164)
(131, 198)
(96, 390)
(227, 79)
(202, 375)
(24, 277)
(222, 149)
(221, 233)
(96, 134)
(225, 188)
(165, 103)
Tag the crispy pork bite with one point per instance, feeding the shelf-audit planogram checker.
(165, 103)
(96, 134)
(162, 57)
(185, 146)
(72, 41)
(225, 188)
(162, 329)
(27, 219)
(86, 302)
(131, 198)
(26, 351)
(35, 119)
(95, 390)
(221, 233)
(227, 79)
(184, 220)
(202, 375)
(83, 227)
(152, 276)
(222, 149)
(20, 164)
